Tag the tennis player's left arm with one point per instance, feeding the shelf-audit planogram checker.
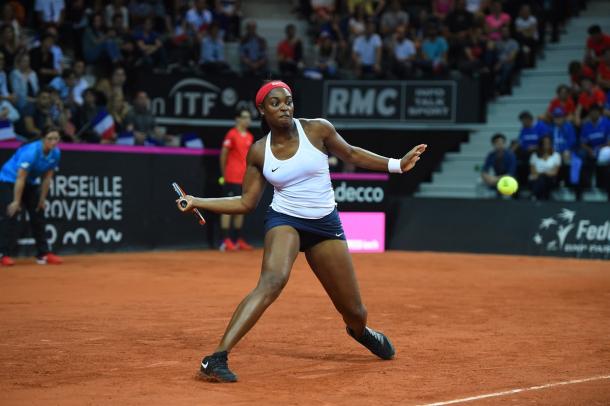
(361, 157)
(44, 189)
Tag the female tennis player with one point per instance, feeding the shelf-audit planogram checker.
(293, 157)
(21, 185)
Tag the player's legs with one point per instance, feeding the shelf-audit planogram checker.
(332, 264)
(281, 249)
(238, 222)
(8, 225)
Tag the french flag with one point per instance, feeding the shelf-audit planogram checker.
(6, 130)
(103, 125)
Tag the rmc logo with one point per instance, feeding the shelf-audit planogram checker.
(194, 97)
(380, 101)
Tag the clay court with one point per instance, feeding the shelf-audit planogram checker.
(130, 329)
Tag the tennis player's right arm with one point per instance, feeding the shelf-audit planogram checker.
(15, 205)
(252, 189)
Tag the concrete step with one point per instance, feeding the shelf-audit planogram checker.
(461, 189)
(522, 99)
(549, 72)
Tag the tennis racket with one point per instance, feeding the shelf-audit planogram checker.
(183, 204)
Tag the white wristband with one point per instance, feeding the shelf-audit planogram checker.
(394, 166)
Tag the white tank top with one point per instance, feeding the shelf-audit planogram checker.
(301, 184)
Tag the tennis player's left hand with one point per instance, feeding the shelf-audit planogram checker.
(410, 159)
(189, 203)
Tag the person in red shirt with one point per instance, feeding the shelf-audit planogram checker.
(563, 100)
(597, 43)
(290, 52)
(590, 95)
(235, 148)
(577, 71)
(603, 71)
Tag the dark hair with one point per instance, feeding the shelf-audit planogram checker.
(240, 110)
(595, 107)
(594, 30)
(525, 114)
(49, 129)
(561, 87)
(45, 36)
(67, 73)
(574, 67)
(539, 150)
(497, 136)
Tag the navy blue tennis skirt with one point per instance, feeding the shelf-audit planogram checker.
(311, 231)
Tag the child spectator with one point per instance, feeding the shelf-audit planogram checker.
(496, 20)
(544, 169)
(499, 162)
(253, 52)
(367, 53)
(597, 43)
(290, 53)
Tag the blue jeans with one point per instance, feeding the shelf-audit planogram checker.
(109, 48)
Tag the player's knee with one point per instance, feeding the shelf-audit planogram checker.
(272, 285)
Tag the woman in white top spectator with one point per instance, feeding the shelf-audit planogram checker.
(24, 81)
(117, 7)
(357, 22)
(526, 27)
(544, 168)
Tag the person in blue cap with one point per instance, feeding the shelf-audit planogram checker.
(24, 182)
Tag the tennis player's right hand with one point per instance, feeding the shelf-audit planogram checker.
(13, 208)
(189, 203)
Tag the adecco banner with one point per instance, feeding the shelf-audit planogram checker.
(567, 229)
(413, 101)
(360, 191)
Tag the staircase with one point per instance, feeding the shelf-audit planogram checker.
(459, 175)
(272, 17)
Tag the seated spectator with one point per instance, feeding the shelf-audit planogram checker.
(212, 59)
(42, 61)
(564, 101)
(140, 120)
(496, 20)
(228, 15)
(506, 54)
(10, 46)
(64, 85)
(393, 18)
(441, 8)
(97, 45)
(10, 18)
(80, 82)
(4, 93)
(433, 53)
(115, 84)
(529, 135)
(371, 8)
(8, 118)
(56, 51)
(84, 116)
(326, 56)
(44, 112)
(526, 27)
(290, 53)
(337, 36)
(544, 169)
(403, 54)
(564, 143)
(253, 52)
(151, 50)
(603, 71)
(597, 43)
(594, 135)
(125, 41)
(577, 71)
(24, 81)
(590, 95)
(118, 108)
(476, 55)
(357, 22)
(499, 162)
(198, 19)
(366, 53)
(117, 7)
(459, 21)
(50, 12)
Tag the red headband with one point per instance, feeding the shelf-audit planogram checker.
(267, 87)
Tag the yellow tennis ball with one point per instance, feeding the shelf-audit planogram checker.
(221, 180)
(507, 185)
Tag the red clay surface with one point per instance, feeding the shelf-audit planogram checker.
(130, 329)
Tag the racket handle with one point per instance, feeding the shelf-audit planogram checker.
(183, 204)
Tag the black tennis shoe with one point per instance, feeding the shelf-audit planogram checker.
(376, 342)
(214, 368)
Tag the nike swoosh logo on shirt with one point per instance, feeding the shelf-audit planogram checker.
(273, 170)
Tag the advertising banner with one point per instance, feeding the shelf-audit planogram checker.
(360, 191)
(365, 231)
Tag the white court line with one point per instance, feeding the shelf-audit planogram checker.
(519, 390)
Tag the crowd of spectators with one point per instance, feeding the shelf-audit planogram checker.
(569, 143)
